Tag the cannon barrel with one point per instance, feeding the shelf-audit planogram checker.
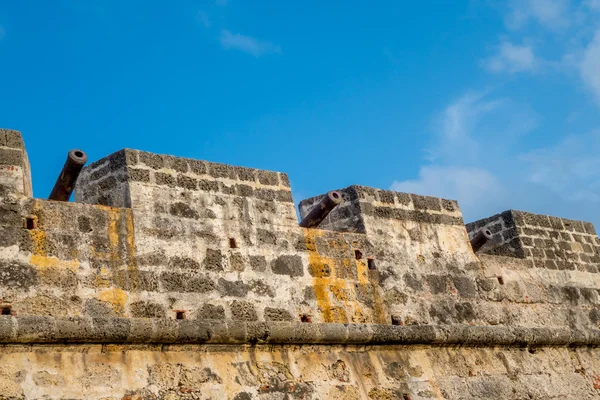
(321, 210)
(65, 183)
(480, 239)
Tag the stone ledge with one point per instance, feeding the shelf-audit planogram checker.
(40, 329)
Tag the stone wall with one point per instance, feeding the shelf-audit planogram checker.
(156, 246)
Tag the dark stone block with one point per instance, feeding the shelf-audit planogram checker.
(16, 275)
(277, 314)
(13, 139)
(386, 196)
(186, 283)
(213, 260)
(449, 205)
(437, 283)
(589, 228)
(162, 178)
(571, 293)
(84, 224)
(284, 196)
(183, 210)
(266, 237)
(258, 263)
(11, 157)
(210, 311)
(465, 312)
(244, 190)
(236, 262)
(536, 220)
(556, 223)
(208, 186)
(284, 180)
(288, 265)
(413, 282)
(232, 288)
(426, 202)
(197, 167)
(136, 281)
(146, 309)
(221, 171)
(98, 308)
(186, 182)
(245, 174)
(183, 263)
(139, 175)
(154, 161)
(466, 286)
(265, 194)
(268, 178)
(178, 164)
(243, 311)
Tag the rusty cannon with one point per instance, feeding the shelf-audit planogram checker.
(320, 211)
(480, 239)
(65, 183)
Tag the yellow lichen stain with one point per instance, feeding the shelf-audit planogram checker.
(117, 298)
(113, 233)
(362, 271)
(38, 237)
(43, 262)
(335, 296)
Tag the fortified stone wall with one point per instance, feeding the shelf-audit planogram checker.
(180, 278)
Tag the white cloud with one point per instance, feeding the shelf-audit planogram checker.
(247, 44)
(202, 17)
(477, 190)
(475, 141)
(590, 66)
(570, 168)
(552, 14)
(512, 58)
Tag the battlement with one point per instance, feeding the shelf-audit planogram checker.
(162, 249)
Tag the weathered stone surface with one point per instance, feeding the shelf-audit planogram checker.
(182, 258)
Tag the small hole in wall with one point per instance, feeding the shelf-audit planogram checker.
(232, 243)
(179, 314)
(500, 280)
(30, 223)
(305, 318)
(371, 264)
(6, 310)
(396, 320)
(358, 254)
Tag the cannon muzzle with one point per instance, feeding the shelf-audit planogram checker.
(321, 210)
(480, 239)
(65, 183)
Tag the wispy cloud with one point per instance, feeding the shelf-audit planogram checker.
(475, 140)
(551, 14)
(247, 44)
(512, 58)
(203, 18)
(590, 66)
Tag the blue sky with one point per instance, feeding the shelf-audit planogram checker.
(495, 104)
